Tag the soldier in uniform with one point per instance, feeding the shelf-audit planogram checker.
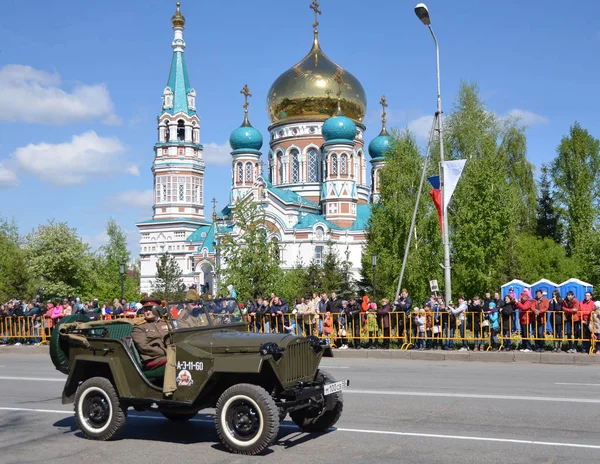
(149, 336)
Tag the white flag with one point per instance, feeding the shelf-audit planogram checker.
(451, 170)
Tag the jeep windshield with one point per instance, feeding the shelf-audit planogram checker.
(204, 313)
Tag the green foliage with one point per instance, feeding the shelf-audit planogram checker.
(534, 258)
(576, 174)
(548, 216)
(15, 280)
(494, 199)
(59, 260)
(390, 222)
(167, 285)
(250, 257)
(107, 273)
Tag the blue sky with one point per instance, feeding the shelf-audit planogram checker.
(80, 84)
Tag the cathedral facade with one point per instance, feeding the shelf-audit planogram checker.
(317, 187)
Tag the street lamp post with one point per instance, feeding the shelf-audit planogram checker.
(122, 272)
(374, 263)
(423, 14)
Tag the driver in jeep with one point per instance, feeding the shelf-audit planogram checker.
(149, 336)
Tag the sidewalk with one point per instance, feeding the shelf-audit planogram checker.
(469, 356)
(464, 356)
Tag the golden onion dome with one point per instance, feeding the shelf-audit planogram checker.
(308, 90)
(178, 20)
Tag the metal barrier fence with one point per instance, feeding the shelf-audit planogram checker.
(423, 330)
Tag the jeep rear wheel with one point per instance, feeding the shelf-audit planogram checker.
(312, 420)
(247, 419)
(98, 411)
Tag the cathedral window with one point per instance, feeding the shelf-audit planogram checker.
(313, 166)
(201, 191)
(280, 167)
(334, 165)
(180, 130)
(344, 164)
(248, 172)
(295, 166)
(240, 173)
(195, 189)
(181, 192)
(319, 255)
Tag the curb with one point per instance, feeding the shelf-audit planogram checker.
(469, 356)
(27, 349)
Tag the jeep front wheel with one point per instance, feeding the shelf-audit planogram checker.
(98, 411)
(320, 420)
(247, 419)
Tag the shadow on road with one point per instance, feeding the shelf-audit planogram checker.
(201, 429)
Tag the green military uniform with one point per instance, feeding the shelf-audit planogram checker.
(149, 338)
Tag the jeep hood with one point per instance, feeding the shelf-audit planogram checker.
(237, 342)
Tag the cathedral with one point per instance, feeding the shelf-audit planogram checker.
(316, 189)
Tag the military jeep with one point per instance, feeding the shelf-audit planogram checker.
(252, 380)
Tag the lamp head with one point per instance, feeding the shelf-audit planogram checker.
(423, 13)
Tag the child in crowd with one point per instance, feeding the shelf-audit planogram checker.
(594, 326)
(372, 324)
(420, 321)
(494, 320)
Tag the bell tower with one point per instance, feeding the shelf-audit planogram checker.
(178, 165)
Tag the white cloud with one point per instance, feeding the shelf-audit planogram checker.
(421, 127)
(74, 162)
(95, 241)
(7, 177)
(527, 117)
(217, 154)
(137, 199)
(34, 96)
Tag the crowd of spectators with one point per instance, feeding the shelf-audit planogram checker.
(525, 322)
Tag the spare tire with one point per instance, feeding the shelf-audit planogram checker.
(59, 347)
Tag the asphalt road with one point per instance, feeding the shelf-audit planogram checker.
(395, 411)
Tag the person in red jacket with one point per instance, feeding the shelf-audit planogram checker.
(585, 309)
(570, 307)
(539, 307)
(524, 305)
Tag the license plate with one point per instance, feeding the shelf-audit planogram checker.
(334, 387)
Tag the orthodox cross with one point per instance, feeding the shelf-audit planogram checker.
(214, 202)
(384, 105)
(315, 6)
(246, 93)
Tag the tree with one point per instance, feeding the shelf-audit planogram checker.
(250, 255)
(15, 280)
(389, 225)
(167, 285)
(110, 257)
(59, 260)
(576, 174)
(548, 216)
(488, 210)
(336, 274)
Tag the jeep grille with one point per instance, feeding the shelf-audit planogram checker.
(299, 362)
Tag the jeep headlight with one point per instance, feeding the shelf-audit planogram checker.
(270, 348)
(315, 343)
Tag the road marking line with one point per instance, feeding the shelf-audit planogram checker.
(367, 431)
(326, 366)
(35, 379)
(461, 437)
(579, 384)
(474, 396)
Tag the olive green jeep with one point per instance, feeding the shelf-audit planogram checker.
(252, 380)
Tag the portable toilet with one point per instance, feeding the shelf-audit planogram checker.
(517, 285)
(546, 286)
(578, 287)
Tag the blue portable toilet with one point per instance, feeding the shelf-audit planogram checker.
(517, 285)
(578, 287)
(546, 286)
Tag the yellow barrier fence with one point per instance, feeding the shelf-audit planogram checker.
(423, 330)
